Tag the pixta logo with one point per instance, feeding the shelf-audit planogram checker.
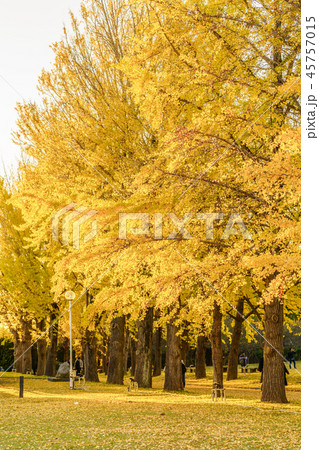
(67, 219)
(235, 225)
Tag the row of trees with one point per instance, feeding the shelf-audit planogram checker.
(170, 107)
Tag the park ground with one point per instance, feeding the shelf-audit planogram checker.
(97, 415)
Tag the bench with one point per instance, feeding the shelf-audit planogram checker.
(248, 369)
(218, 392)
(133, 385)
(80, 379)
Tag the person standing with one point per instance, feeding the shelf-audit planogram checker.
(285, 372)
(261, 370)
(183, 373)
(291, 357)
(77, 366)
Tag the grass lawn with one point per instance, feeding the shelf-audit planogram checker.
(107, 416)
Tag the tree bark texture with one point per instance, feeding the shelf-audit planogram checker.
(115, 374)
(133, 356)
(41, 350)
(273, 387)
(126, 349)
(17, 352)
(89, 356)
(50, 367)
(157, 352)
(143, 371)
(26, 346)
(200, 360)
(173, 367)
(232, 369)
(217, 351)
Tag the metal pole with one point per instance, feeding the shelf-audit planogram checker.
(71, 363)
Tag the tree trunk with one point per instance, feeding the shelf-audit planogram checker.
(115, 374)
(143, 372)
(217, 352)
(173, 367)
(26, 347)
(89, 356)
(273, 388)
(17, 352)
(133, 356)
(184, 349)
(105, 354)
(158, 352)
(232, 369)
(200, 360)
(126, 349)
(66, 349)
(41, 350)
(50, 368)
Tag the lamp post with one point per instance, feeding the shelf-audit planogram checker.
(70, 295)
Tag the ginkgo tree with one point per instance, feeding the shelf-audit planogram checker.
(187, 112)
(25, 285)
(220, 83)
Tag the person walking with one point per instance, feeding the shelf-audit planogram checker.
(183, 373)
(291, 357)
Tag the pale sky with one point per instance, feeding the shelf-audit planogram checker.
(27, 28)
